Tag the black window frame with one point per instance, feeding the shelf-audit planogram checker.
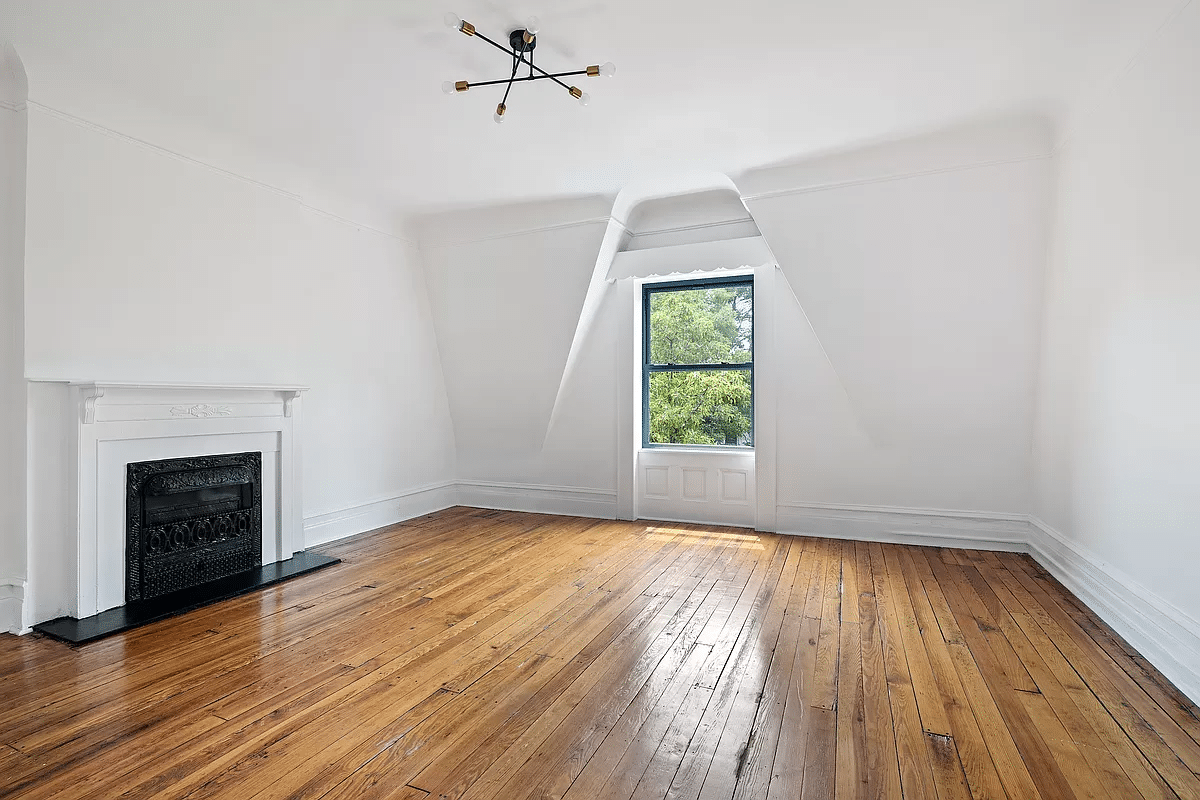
(649, 289)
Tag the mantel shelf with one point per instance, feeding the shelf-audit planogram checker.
(115, 384)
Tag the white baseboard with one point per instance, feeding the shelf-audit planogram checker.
(325, 528)
(569, 500)
(1167, 636)
(12, 599)
(919, 526)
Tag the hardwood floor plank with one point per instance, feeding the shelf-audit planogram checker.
(979, 769)
(1117, 744)
(929, 698)
(883, 763)
(977, 650)
(998, 740)
(507, 756)
(850, 771)
(484, 654)
(745, 754)
(916, 778)
(949, 778)
(1181, 711)
(737, 657)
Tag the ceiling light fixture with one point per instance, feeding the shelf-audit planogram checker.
(521, 44)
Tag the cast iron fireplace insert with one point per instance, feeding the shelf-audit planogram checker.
(191, 521)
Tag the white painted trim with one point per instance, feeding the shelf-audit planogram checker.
(628, 401)
(324, 528)
(766, 398)
(1075, 116)
(899, 176)
(920, 526)
(241, 387)
(1166, 635)
(687, 521)
(727, 256)
(107, 425)
(568, 500)
(689, 228)
(14, 107)
(123, 137)
(436, 241)
(12, 599)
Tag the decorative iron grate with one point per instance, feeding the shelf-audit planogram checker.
(191, 521)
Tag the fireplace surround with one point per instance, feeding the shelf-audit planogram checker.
(83, 437)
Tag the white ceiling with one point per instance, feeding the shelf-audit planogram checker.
(349, 92)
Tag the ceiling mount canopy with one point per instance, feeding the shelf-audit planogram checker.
(521, 44)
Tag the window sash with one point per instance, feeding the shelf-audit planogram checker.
(747, 366)
(648, 290)
(648, 366)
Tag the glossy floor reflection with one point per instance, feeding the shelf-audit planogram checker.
(482, 654)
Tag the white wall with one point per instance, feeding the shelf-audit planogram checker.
(143, 266)
(506, 308)
(908, 339)
(920, 267)
(12, 337)
(1118, 430)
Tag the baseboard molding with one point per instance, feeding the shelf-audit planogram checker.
(568, 500)
(919, 526)
(325, 528)
(12, 600)
(1168, 637)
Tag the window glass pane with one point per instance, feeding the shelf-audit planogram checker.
(702, 326)
(701, 407)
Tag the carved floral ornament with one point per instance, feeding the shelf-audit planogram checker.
(201, 410)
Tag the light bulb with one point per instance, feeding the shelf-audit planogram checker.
(533, 25)
(498, 117)
(452, 20)
(584, 99)
(608, 69)
(448, 87)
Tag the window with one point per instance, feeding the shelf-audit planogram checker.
(698, 362)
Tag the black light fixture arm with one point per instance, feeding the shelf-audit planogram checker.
(521, 44)
(521, 55)
(475, 84)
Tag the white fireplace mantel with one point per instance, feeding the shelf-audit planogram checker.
(78, 567)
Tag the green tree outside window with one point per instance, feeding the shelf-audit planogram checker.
(699, 375)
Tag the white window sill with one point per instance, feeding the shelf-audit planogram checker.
(698, 449)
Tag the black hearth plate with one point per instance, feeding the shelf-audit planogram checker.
(143, 612)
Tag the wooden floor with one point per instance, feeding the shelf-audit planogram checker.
(476, 654)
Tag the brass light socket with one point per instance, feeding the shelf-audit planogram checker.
(461, 86)
(528, 37)
(468, 28)
(501, 108)
(593, 71)
(576, 92)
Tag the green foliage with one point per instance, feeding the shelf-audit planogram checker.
(701, 326)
